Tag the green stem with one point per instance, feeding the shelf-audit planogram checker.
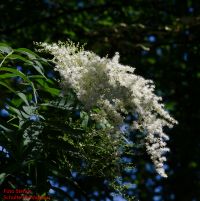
(6, 58)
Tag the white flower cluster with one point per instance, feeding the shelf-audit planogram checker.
(114, 88)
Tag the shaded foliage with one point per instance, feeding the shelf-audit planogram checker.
(47, 137)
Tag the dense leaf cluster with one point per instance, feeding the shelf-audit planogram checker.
(47, 136)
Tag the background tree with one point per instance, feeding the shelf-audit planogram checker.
(160, 38)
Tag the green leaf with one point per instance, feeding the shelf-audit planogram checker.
(7, 86)
(18, 57)
(16, 73)
(4, 48)
(2, 177)
(21, 95)
(45, 87)
(15, 110)
(39, 69)
(151, 60)
(29, 109)
(7, 75)
(27, 52)
(4, 128)
(23, 76)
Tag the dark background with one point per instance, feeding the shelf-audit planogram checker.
(160, 38)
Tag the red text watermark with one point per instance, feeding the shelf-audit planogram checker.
(22, 194)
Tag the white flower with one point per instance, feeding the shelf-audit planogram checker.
(113, 87)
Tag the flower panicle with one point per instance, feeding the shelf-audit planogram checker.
(116, 89)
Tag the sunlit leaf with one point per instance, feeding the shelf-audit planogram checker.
(4, 48)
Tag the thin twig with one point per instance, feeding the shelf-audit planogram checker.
(5, 58)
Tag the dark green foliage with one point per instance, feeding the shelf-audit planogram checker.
(43, 138)
(21, 97)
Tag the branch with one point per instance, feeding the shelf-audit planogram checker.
(26, 23)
